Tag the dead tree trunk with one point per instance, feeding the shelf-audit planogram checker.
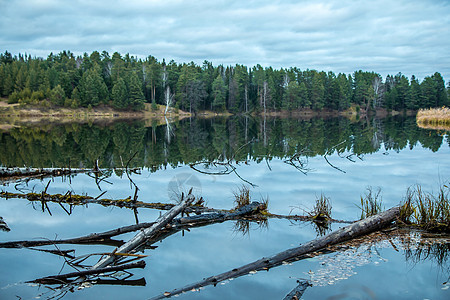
(349, 232)
(207, 219)
(298, 291)
(3, 225)
(73, 199)
(62, 277)
(176, 225)
(32, 172)
(145, 234)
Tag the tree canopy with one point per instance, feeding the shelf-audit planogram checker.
(126, 82)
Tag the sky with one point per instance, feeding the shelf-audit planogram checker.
(384, 36)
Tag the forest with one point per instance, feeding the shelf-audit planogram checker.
(127, 82)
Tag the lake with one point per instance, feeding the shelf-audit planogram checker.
(289, 162)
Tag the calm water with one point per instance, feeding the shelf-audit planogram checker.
(336, 157)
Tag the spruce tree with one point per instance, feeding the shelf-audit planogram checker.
(136, 96)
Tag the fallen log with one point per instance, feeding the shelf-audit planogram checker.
(298, 291)
(133, 243)
(197, 208)
(96, 281)
(58, 279)
(176, 225)
(146, 233)
(36, 172)
(74, 199)
(85, 240)
(183, 223)
(343, 234)
(3, 225)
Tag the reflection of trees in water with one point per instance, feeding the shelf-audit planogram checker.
(194, 140)
(433, 247)
(416, 247)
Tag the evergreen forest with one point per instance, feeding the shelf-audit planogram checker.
(127, 83)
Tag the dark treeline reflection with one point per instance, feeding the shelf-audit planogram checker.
(193, 140)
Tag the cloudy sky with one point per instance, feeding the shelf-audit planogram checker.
(385, 36)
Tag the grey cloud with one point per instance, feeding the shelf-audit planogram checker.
(343, 36)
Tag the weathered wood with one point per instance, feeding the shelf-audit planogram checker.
(3, 225)
(33, 172)
(343, 234)
(73, 199)
(176, 225)
(85, 240)
(97, 281)
(146, 233)
(297, 292)
(202, 220)
(60, 278)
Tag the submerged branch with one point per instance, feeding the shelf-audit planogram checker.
(146, 233)
(36, 172)
(341, 235)
(73, 199)
(57, 279)
(298, 291)
(254, 211)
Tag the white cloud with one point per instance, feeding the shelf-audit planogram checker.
(343, 36)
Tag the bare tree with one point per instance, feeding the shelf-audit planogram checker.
(168, 98)
(265, 95)
(378, 89)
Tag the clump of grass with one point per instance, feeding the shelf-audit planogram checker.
(265, 204)
(371, 203)
(321, 214)
(434, 117)
(322, 209)
(407, 208)
(427, 211)
(242, 196)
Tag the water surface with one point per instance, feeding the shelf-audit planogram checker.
(291, 162)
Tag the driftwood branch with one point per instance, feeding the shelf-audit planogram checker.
(349, 232)
(183, 223)
(97, 281)
(6, 173)
(298, 291)
(3, 225)
(57, 279)
(146, 233)
(249, 211)
(73, 199)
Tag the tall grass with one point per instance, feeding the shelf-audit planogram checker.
(321, 215)
(426, 210)
(242, 196)
(434, 117)
(322, 209)
(371, 203)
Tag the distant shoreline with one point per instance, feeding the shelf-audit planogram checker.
(15, 113)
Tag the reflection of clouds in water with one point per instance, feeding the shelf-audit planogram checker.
(341, 265)
(183, 183)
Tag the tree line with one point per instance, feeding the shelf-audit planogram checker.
(127, 82)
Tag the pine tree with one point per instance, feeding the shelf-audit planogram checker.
(136, 96)
(291, 98)
(414, 100)
(119, 94)
(219, 93)
(58, 96)
(317, 93)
